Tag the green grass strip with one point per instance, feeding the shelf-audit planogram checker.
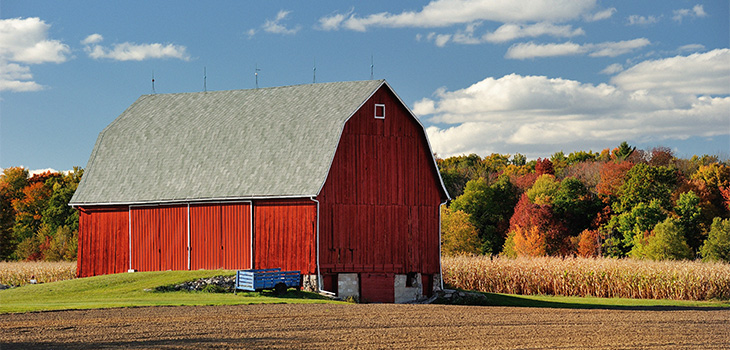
(128, 290)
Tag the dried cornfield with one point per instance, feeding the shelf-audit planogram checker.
(599, 277)
(18, 273)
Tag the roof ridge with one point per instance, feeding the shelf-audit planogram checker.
(265, 88)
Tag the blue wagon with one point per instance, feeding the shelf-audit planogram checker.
(257, 280)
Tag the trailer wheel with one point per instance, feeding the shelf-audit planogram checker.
(280, 288)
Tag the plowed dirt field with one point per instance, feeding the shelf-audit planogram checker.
(372, 326)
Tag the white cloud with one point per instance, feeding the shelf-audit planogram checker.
(601, 15)
(93, 39)
(274, 26)
(612, 69)
(641, 20)
(131, 51)
(691, 48)
(696, 11)
(443, 13)
(334, 21)
(509, 32)
(531, 50)
(536, 115)
(442, 39)
(616, 48)
(606, 49)
(25, 41)
(699, 73)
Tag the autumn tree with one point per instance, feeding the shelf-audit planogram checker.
(612, 176)
(660, 156)
(544, 166)
(589, 244)
(458, 235)
(529, 217)
(12, 182)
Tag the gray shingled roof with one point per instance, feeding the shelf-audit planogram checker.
(269, 142)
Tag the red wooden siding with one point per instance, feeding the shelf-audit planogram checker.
(284, 234)
(380, 204)
(159, 238)
(103, 241)
(220, 236)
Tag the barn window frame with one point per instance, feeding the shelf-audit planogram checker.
(379, 107)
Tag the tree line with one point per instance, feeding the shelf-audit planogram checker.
(36, 222)
(623, 202)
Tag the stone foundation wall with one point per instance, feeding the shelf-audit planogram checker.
(406, 292)
(309, 283)
(437, 282)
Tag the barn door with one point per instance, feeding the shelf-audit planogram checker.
(159, 238)
(220, 236)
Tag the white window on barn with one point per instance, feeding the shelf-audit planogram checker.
(379, 111)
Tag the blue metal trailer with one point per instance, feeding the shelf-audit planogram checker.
(260, 279)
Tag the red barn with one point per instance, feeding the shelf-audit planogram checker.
(336, 180)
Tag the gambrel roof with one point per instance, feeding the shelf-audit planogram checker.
(258, 143)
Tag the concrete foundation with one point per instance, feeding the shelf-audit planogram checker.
(348, 285)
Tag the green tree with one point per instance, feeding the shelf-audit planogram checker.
(543, 190)
(645, 183)
(689, 212)
(582, 156)
(625, 227)
(490, 208)
(458, 235)
(717, 245)
(575, 205)
(665, 243)
(519, 159)
(623, 151)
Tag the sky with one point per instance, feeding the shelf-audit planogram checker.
(500, 76)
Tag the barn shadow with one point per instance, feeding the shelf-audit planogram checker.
(492, 299)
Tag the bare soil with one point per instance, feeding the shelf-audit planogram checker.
(375, 326)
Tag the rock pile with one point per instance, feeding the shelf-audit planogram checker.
(217, 284)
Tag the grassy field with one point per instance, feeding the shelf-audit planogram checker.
(128, 290)
(602, 277)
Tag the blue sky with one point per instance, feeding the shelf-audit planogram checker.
(533, 77)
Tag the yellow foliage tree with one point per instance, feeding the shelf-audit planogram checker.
(529, 242)
(458, 235)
